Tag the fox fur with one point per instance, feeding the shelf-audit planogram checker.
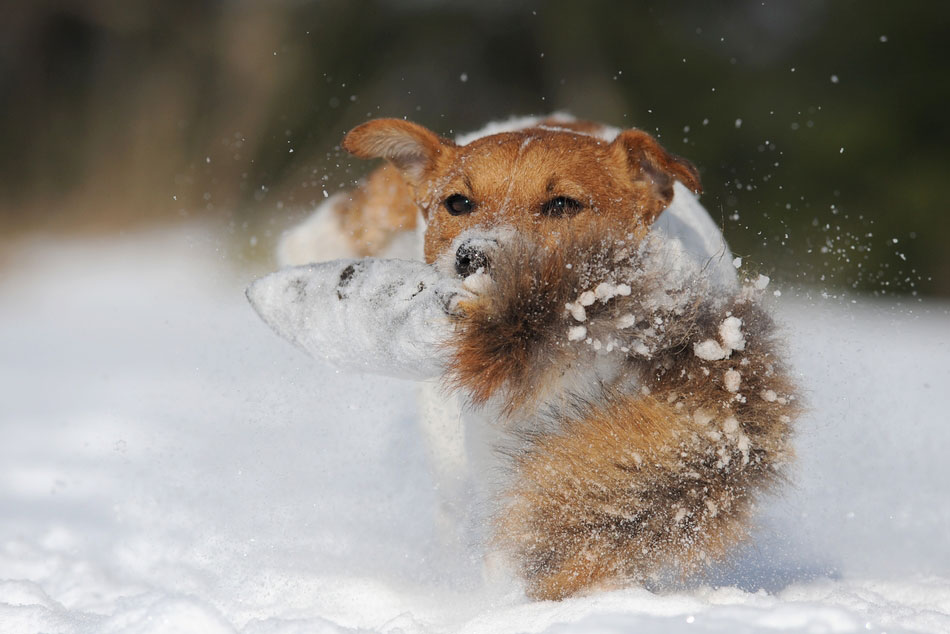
(659, 470)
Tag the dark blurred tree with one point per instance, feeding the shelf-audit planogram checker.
(819, 127)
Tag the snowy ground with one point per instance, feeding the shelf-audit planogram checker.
(169, 465)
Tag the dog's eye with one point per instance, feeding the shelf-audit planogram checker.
(457, 204)
(561, 206)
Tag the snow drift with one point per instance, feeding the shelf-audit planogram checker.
(170, 466)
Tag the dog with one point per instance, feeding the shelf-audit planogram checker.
(577, 316)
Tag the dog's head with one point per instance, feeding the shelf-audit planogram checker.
(542, 180)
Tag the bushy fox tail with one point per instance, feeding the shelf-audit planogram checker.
(628, 490)
(655, 474)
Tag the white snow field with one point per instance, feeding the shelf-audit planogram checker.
(169, 464)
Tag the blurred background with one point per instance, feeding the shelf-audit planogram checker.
(820, 128)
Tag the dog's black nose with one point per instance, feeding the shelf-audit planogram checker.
(469, 258)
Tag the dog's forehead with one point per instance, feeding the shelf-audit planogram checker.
(537, 152)
(532, 140)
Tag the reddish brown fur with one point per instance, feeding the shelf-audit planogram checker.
(504, 347)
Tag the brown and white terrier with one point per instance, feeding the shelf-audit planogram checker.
(600, 336)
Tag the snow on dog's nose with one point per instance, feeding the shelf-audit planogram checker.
(471, 251)
(470, 257)
(380, 316)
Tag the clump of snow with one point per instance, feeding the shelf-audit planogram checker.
(730, 332)
(641, 349)
(576, 333)
(762, 282)
(731, 429)
(730, 339)
(626, 321)
(730, 425)
(710, 350)
(577, 311)
(731, 380)
(743, 444)
(606, 291)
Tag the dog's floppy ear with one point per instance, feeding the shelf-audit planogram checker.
(412, 148)
(648, 162)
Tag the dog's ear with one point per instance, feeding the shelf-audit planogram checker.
(412, 148)
(649, 163)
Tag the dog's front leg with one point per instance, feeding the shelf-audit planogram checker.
(443, 433)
